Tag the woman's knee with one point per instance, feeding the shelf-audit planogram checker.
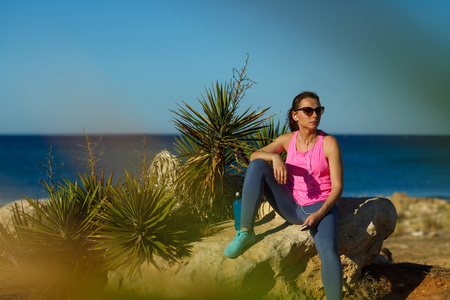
(258, 164)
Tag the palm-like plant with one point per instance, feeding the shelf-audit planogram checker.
(136, 225)
(211, 143)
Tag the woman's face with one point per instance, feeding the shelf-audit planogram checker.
(310, 122)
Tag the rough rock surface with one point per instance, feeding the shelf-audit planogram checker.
(282, 264)
(6, 215)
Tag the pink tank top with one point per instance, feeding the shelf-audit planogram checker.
(309, 179)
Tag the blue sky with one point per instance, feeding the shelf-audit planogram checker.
(380, 67)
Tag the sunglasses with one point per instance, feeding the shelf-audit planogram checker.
(309, 110)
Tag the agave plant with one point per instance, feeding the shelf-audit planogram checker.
(210, 144)
(136, 225)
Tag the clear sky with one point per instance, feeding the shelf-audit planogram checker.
(379, 67)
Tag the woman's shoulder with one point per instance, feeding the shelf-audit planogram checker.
(286, 136)
(329, 142)
(285, 139)
(327, 136)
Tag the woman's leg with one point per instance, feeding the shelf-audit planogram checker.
(325, 239)
(260, 181)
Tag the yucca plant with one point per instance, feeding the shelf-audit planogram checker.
(136, 225)
(268, 133)
(209, 145)
(264, 137)
(49, 249)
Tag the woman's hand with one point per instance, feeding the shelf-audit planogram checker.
(312, 220)
(279, 169)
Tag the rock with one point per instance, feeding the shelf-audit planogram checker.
(384, 258)
(282, 264)
(6, 216)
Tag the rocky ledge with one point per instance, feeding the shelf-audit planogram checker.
(282, 264)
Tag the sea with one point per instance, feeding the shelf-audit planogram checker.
(374, 165)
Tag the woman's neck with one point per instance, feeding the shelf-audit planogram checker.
(307, 135)
(306, 138)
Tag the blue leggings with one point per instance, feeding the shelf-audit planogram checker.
(259, 182)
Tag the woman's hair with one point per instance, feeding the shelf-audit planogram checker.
(296, 105)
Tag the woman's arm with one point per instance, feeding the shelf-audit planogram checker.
(271, 153)
(333, 155)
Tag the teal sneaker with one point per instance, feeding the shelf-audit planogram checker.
(242, 239)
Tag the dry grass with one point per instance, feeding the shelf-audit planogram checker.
(89, 155)
(403, 281)
(370, 288)
(208, 230)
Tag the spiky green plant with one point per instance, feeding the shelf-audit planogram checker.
(265, 136)
(136, 225)
(268, 133)
(49, 249)
(209, 145)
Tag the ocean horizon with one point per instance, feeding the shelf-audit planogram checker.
(374, 165)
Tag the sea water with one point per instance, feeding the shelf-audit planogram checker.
(373, 165)
(383, 165)
(23, 157)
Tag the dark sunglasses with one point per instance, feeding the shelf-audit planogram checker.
(309, 110)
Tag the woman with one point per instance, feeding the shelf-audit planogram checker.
(303, 190)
